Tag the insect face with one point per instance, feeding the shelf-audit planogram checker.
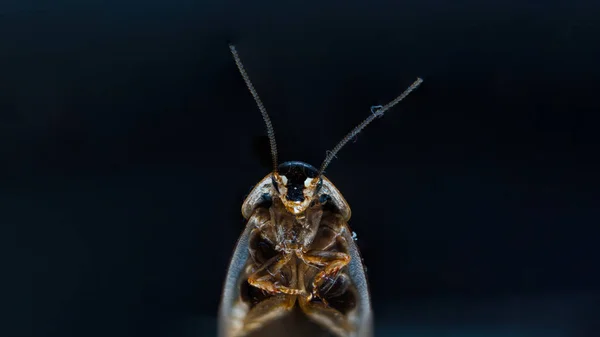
(296, 184)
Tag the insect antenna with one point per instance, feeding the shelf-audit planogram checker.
(263, 111)
(376, 111)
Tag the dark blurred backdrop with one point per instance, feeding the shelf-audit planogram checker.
(128, 142)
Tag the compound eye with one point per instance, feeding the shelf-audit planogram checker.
(324, 198)
(319, 185)
(275, 184)
(266, 200)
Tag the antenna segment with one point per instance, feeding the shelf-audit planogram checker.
(376, 111)
(263, 111)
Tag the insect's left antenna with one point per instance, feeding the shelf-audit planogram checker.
(263, 111)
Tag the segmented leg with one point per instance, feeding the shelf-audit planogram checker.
(332, 262)
(263, 277)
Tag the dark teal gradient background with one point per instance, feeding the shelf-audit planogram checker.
(128, 142)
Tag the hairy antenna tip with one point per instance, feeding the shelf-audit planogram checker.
(376, 110)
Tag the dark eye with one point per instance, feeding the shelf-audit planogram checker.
(275, 184)
(265, 201)
(319, 185)
(324, 198)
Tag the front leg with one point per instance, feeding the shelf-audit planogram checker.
(332, 262)
(263, 277)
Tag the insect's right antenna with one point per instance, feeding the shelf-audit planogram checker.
(263, 111)
(376, 111)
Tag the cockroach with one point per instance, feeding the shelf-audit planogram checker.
(296, 270)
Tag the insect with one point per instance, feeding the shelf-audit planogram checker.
(296, 270)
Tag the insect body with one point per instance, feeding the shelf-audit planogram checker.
(296, 270)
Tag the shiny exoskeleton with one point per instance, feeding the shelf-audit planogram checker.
(296, 270)
(300, 251)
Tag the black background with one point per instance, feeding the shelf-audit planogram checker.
(128, 142)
